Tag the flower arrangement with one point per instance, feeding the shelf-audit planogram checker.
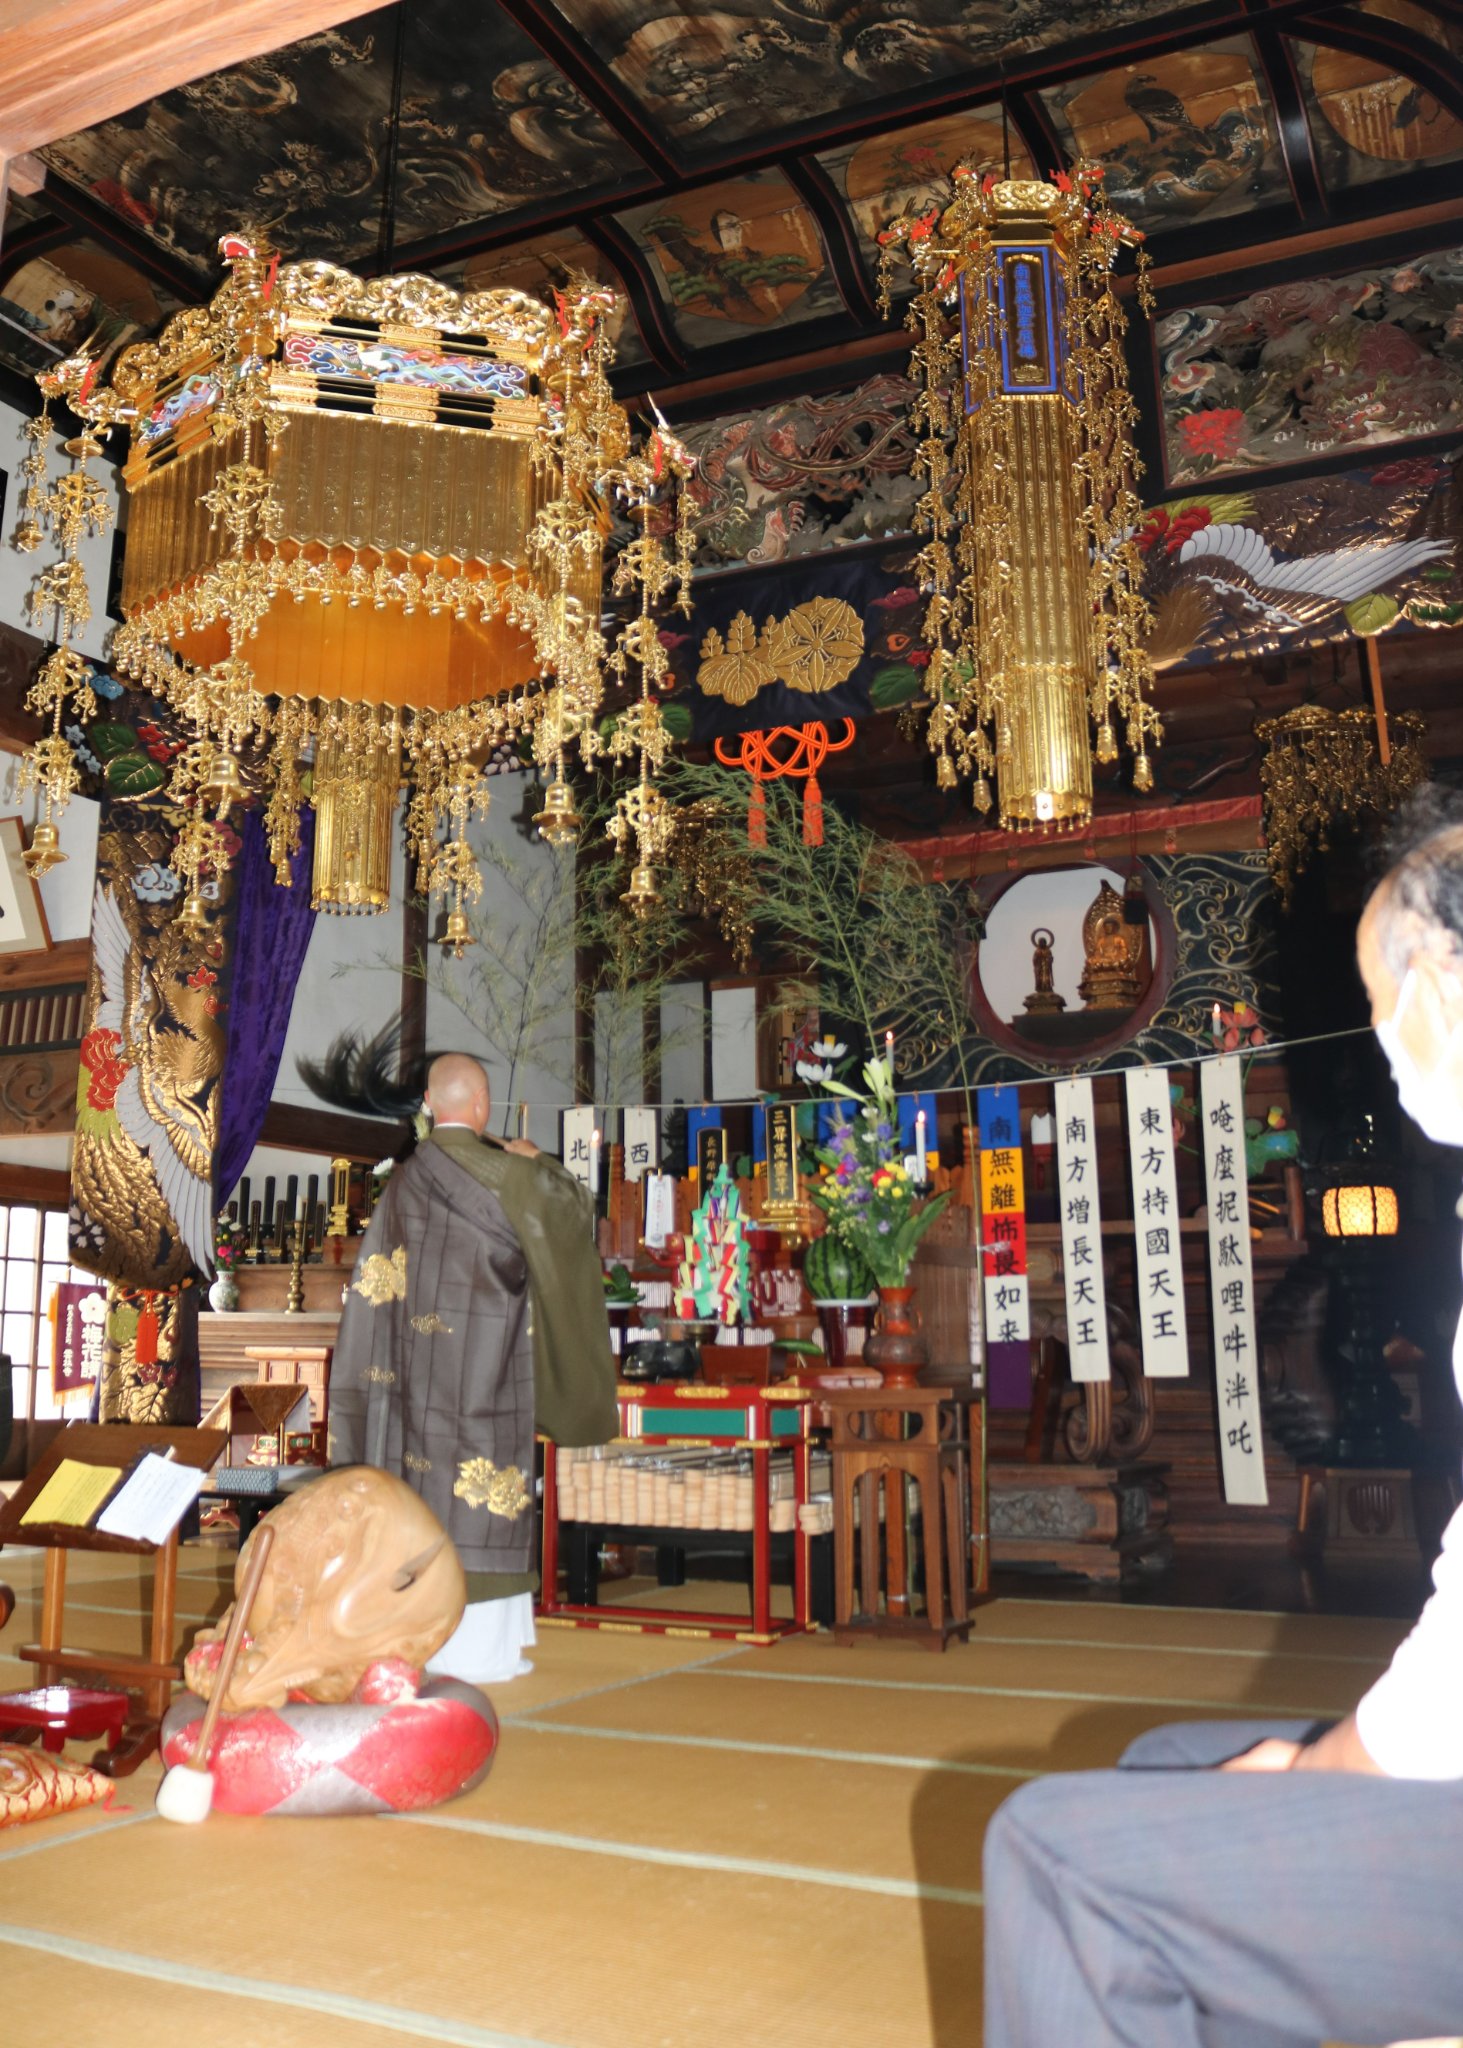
(864, 1188)
(228, 1245)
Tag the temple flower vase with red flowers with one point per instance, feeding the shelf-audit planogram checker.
(866, 1193)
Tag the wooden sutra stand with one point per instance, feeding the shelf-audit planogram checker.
(150, 1679)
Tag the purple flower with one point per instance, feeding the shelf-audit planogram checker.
(884, 1228)
(882, 1131)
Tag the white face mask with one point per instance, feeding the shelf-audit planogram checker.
(1436, 1108)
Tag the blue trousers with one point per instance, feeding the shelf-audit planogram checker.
(1162, 1905)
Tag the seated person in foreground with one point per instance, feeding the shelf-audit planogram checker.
(1239, 1882)
(476, 1316)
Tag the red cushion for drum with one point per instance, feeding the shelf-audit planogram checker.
(303, 1758)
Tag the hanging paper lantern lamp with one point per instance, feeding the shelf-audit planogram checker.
(784, 752)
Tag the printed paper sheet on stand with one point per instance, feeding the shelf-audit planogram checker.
(1231, 1282)
(1156, 1224)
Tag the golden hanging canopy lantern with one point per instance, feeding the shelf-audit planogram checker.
(367, 521)
(1032, 580)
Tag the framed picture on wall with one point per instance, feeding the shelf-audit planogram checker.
(23, 927)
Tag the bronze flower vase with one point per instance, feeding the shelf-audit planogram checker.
(896, 1346)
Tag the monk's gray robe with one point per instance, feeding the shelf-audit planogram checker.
(475, 1313)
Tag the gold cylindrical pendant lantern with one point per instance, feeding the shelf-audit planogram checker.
(357, 782)
(1034, 613)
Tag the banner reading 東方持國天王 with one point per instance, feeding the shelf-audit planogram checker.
(1156, 1224)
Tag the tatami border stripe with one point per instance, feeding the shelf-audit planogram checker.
(694, 1859)
(100, 1827)
(1250, 1708)
(397, 2019)
(539, 1726)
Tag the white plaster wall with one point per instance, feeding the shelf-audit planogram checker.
(273, 1160)
(1058, 898)
(18, 571)
(67, 891)
(510, 1001)
(683, 1024)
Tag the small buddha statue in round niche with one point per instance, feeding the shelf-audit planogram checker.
(1113, 977)
(1043, 999)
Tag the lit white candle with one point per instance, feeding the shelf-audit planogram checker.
(919, 1146)
(594, 1162)
(889, 1050)
(1217, 1027)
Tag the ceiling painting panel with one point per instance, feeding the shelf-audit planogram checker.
(736, 259)
(297, 142)
(1183, 136)
(712, 79)
(1300, 371)
(1370, 120)
(908, 171)
(543, 265)
(74, 296)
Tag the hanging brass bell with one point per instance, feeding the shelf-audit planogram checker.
(194, 914)
(1143, 775)
(223, 787)
(558, 822)
(1107, 743)
(642, 894)
(44, 851)
(457, 936)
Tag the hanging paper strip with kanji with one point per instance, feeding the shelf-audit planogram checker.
(1232, 1282)
(1003, 1249)
(1156, 1224)
(1081, 1218)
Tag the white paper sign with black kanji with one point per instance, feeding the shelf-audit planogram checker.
(1156, 1224)
(642, 1143)
(1081, 1231)
(579, 1146)
(1232, 1282)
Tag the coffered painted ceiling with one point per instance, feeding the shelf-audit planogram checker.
(729, 166)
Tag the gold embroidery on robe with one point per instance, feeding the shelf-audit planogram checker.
(501, 1490)
(381, 1279)
(381, 1376)
(431, 1325)
(415, 1464)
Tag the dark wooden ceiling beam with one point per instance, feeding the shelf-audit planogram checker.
(657, 330)
(23, 247)
(835, 224)
(98, 223)
(1297, 150)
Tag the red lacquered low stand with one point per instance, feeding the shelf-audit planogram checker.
(66, 1713)
(759, 1420)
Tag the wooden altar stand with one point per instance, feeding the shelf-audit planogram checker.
(151, 1678)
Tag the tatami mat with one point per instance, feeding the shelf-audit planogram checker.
(683, 1843)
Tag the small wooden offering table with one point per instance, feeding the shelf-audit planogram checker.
(118, 1446)
(758, 1420)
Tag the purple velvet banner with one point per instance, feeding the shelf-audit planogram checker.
(270, 937)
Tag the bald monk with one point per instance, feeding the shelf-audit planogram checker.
(476, 1315)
